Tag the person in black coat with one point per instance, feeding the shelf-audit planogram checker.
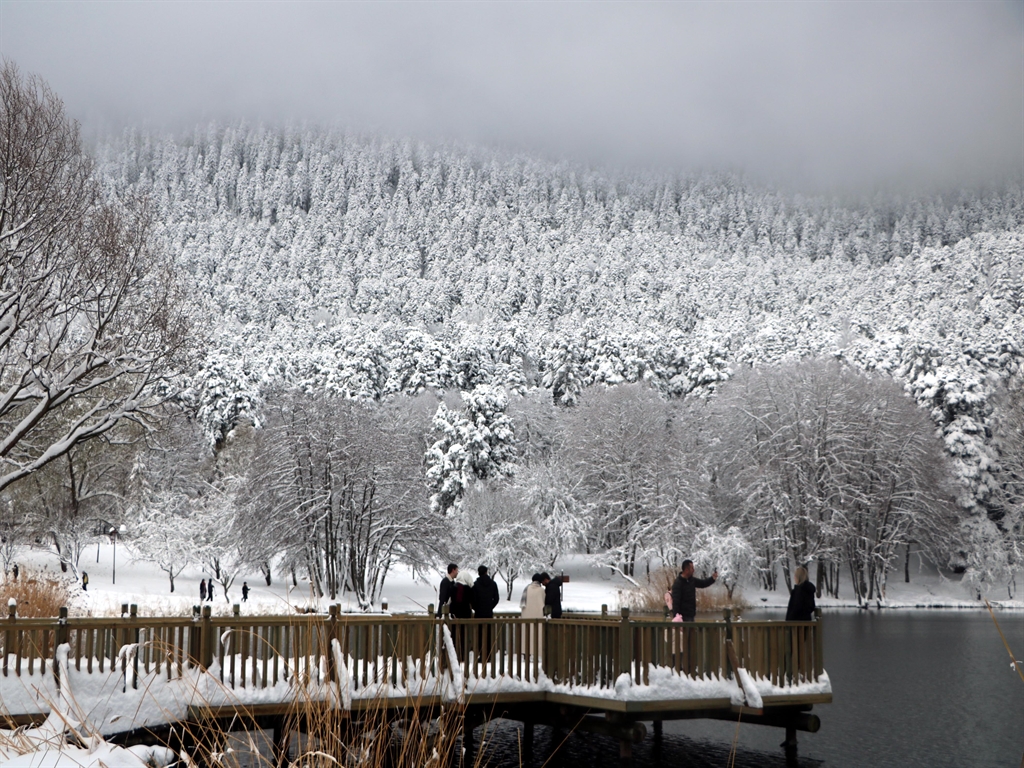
(801, 599)
(684, 591)
(485, 597)
(552, 594)
(447, 588)
(202, 591)
(485, 594)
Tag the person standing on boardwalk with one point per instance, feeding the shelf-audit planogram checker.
(462, 595)
(485, 595)
(447, 588)
(532, 603)
(553, 594)
(684, 592)
(245, 591)
(801, 599)
(202, 590)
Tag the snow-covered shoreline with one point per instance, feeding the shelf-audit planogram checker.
(143, 584)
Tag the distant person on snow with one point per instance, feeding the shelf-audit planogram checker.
(15, 571)
(209, 591)
(202, 590)
(85, 581)
(801, 599)
(684, 592)
(245, 591)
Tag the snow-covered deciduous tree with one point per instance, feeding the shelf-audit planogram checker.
(834, 464)
(336, 489)
(622, 445)
(89, 316)
(730, 553)
(1009, 497)
(165, 533)
(496, 527)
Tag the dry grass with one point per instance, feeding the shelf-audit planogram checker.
(38, 596)
(650, 595)
(321, 735)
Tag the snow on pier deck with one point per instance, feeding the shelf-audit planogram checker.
(135, 672)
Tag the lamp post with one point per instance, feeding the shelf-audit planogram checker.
(114, 533)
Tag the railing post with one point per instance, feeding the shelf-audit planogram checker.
(819, 645)
(727, 613)
(195, 637)
(625, 643)
(432, 640)
(12, 617)
(604, 610)
(133, 618)
(60, 636)
(332, 634)
(206, 639)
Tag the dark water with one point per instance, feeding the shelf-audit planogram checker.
(916, 688)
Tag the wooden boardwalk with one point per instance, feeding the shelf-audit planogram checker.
(598, 672)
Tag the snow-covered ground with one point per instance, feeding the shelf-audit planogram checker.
(142, 583)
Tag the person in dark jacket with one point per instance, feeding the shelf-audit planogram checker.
(209, 591)
(245, 591)
(552, 594)
(485, 597)
(485, 594)
(684, 591)
(202, 591)
(447, 588)
(801, 599)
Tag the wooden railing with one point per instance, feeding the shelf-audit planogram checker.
(262, 651)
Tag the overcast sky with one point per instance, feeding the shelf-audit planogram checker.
(817, 92)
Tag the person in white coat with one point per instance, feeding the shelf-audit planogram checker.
(531, 604)
(532, 607)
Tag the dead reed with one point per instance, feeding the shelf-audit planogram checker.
(37, 595)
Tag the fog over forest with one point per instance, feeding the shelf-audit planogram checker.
(634, 280)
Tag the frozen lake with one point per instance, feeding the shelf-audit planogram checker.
(911, 688)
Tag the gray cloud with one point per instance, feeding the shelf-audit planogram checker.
(813, 92)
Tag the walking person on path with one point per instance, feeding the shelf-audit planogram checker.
(202, 591)
(684, 592)
(245, 591)
(85, 581)
(209, 591)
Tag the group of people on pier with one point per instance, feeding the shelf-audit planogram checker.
(468, 598)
